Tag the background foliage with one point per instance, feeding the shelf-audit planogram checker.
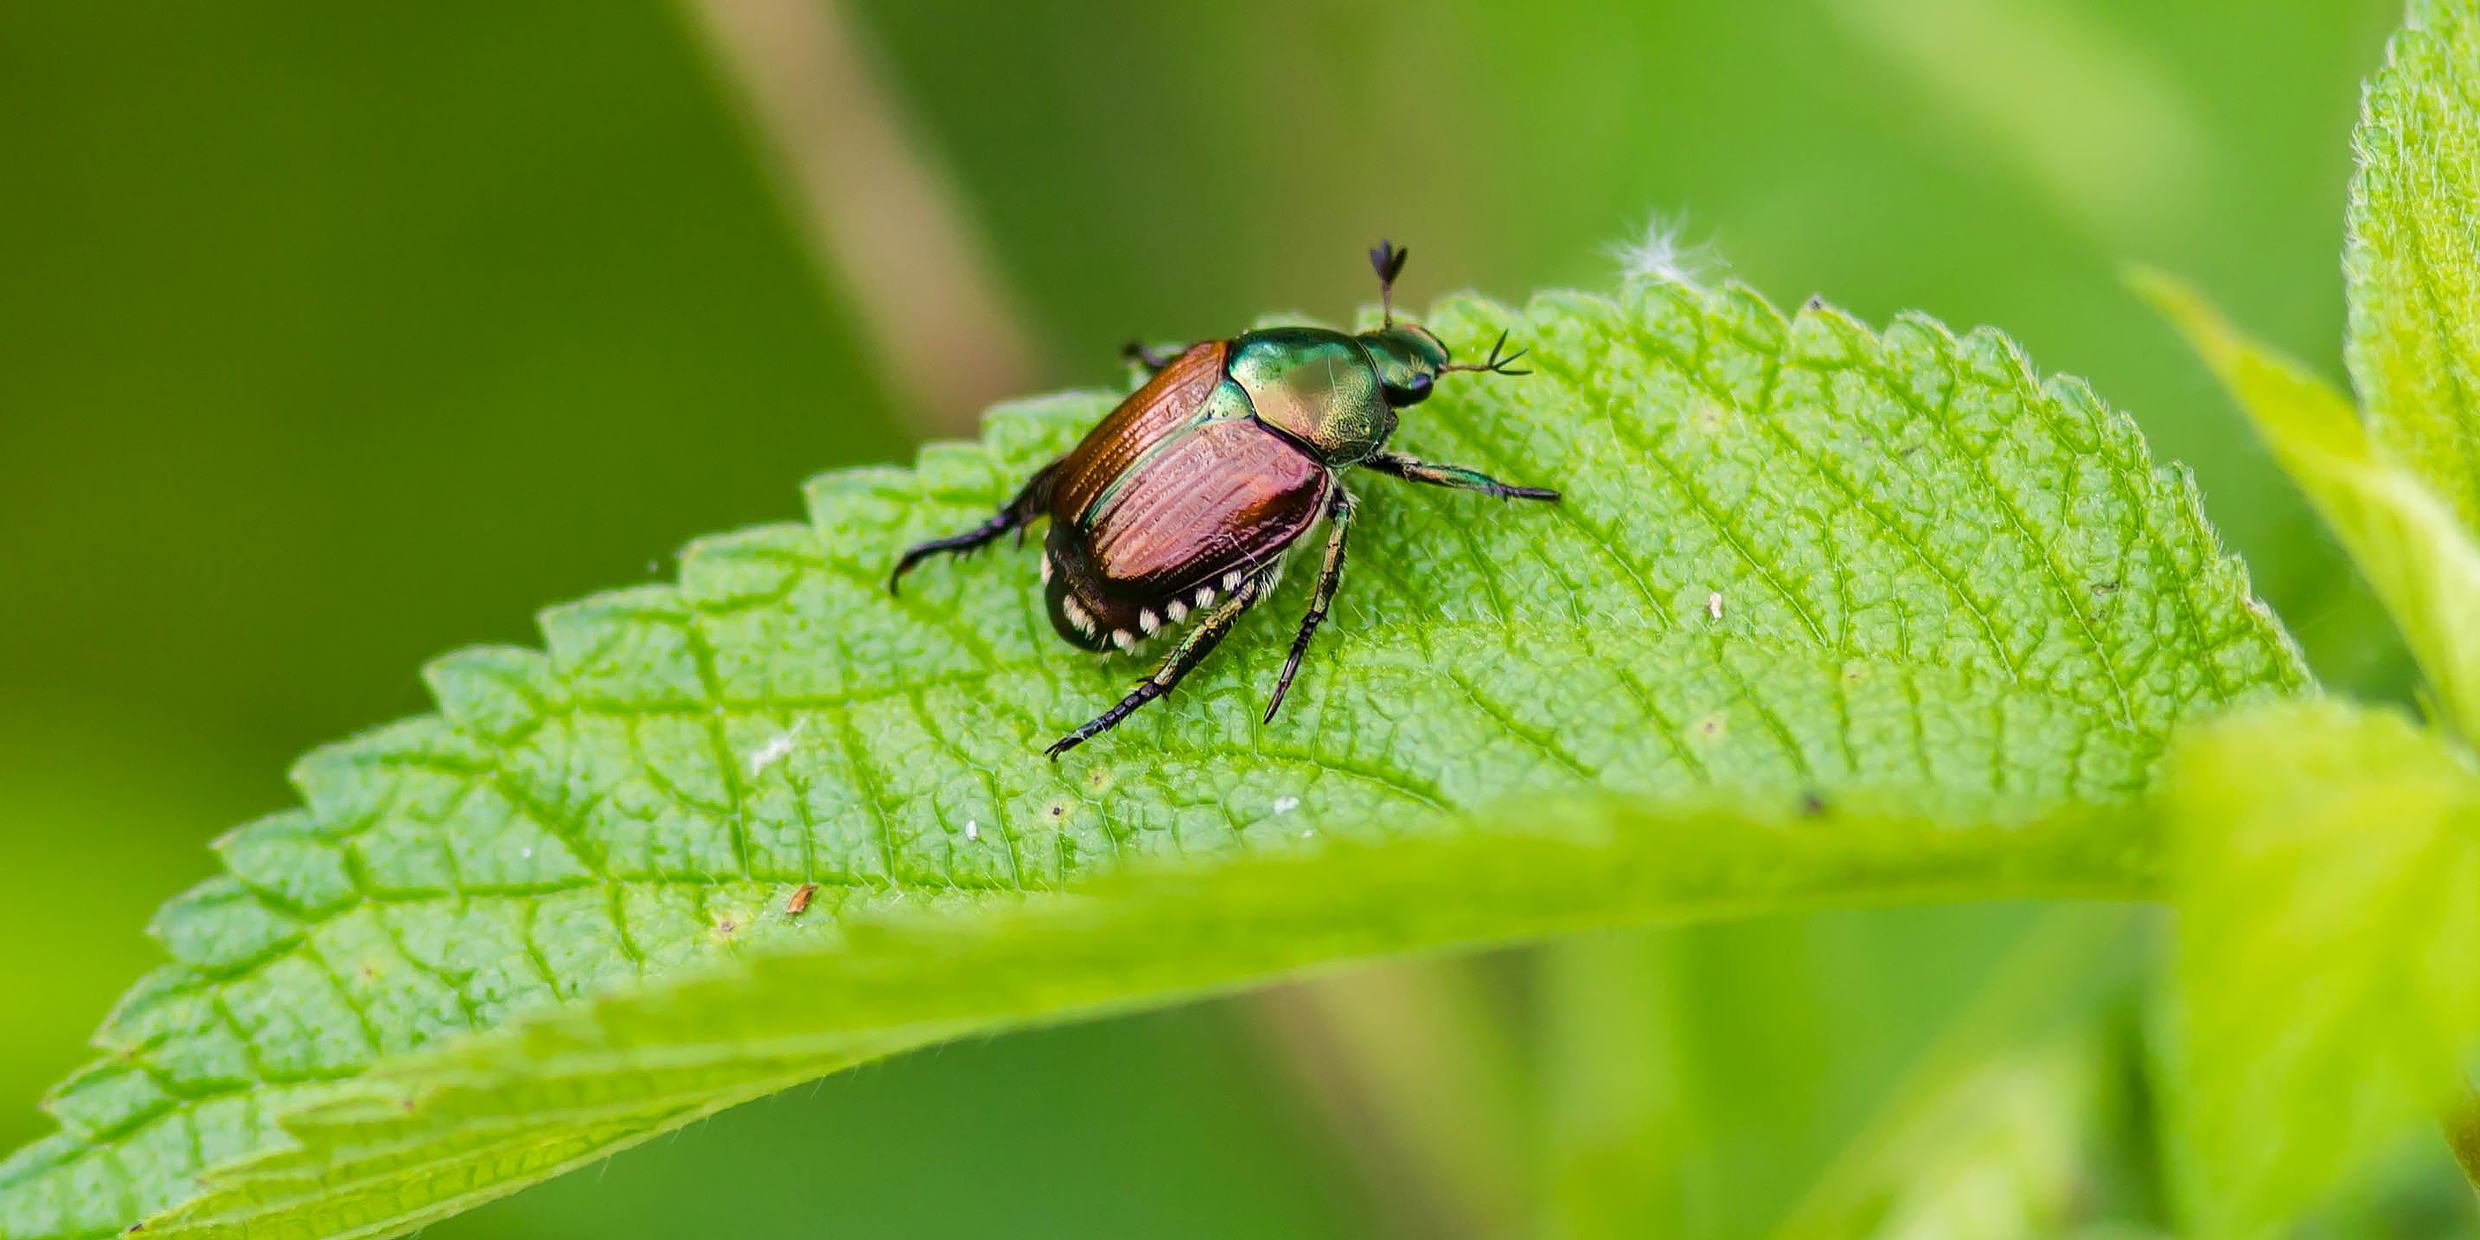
(296, 275)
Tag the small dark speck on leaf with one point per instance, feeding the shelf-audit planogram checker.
(1816, 302)
(2105, 587)
(798, 902)
(1811, 804)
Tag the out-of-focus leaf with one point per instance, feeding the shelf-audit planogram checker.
(2327, 870)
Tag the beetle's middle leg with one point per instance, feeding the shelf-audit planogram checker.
(1339, 527)
(1030, 502)
(1200, 641)
(1455, 476)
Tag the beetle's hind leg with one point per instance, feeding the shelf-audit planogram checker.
(1454, 476)
(1339, 528)
(1202, 637)
(1019, 513)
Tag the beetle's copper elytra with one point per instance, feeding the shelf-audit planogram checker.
(1182, 501)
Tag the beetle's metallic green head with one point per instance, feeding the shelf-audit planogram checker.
(1408, 359)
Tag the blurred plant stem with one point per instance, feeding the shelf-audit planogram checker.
(1612, 1092)
(1412, 1069)
(878, 214)
(2056, 94)
(2012, 1117)
(2461, 1125)
(1648, 1129)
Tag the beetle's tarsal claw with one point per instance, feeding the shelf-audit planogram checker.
(1499, 362)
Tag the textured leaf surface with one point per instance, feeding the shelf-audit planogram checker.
(2414, 256)
(2328, 877)
(2404, 537)
(1827, 616)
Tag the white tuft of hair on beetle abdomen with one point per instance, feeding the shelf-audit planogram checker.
(1075, 613)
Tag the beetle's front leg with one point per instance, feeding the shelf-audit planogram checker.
(1020, 512)
(1137, 351)
(1455, 476)
(1201, 640)
(1339, 527)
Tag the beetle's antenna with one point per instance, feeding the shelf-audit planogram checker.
(1388, 262)
(1500, 362)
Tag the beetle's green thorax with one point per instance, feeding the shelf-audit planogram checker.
(1322, 388)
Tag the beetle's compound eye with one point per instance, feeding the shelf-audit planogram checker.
(1415, 389)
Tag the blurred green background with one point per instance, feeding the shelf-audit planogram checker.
(335, 336)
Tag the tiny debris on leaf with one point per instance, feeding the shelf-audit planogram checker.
(774, 750)
(1285, 805)
(798, 902)
(972, 829)
(1713, 604)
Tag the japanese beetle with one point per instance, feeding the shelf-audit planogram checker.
(1183, 500)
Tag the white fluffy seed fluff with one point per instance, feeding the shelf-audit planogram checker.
(1663, 254)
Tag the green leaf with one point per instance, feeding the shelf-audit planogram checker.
(2413, 261)
(2327, 865)
(1827, 617)
(2405, 539)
